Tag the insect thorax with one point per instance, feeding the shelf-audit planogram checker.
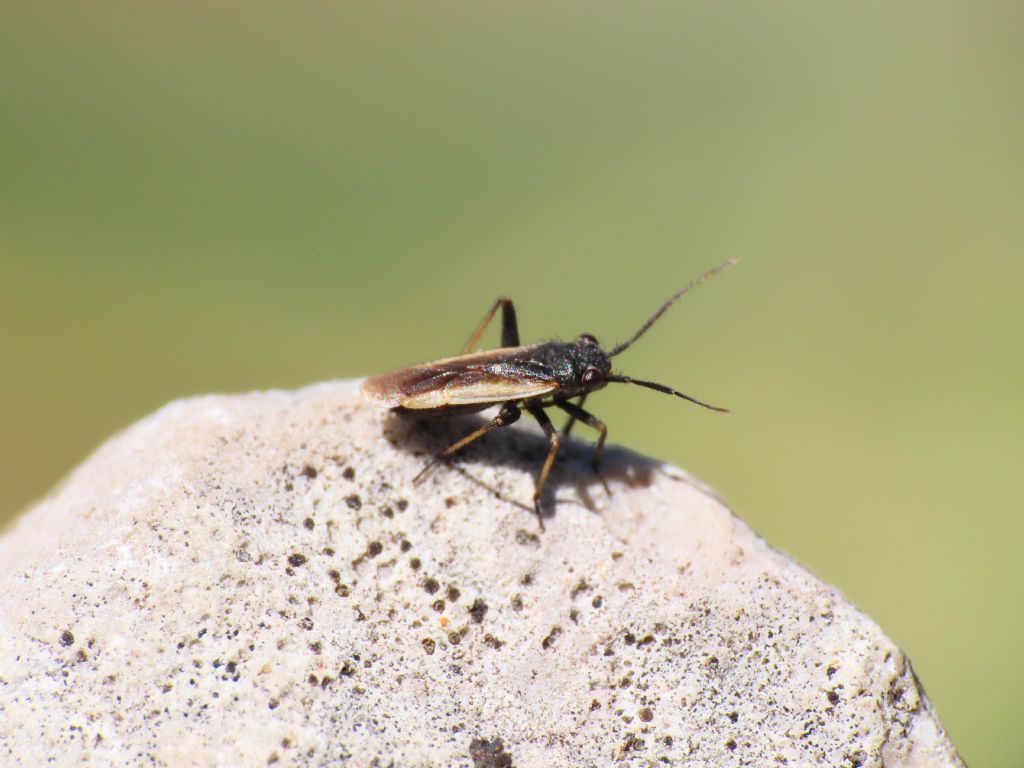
(570, 361)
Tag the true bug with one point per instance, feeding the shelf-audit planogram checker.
(533, 377)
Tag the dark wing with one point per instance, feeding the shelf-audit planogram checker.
(496, 376)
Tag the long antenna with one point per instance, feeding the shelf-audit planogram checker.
(664, 307)
(667, 390)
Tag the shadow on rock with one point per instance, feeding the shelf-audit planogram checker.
(523, 448)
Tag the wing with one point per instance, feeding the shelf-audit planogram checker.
(496, 376)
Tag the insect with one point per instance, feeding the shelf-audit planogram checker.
(517, 378)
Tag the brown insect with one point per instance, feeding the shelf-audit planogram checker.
(532, 378)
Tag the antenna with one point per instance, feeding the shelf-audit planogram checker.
(667, 390)
(664, 307)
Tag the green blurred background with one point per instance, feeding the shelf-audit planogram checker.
(223, 197)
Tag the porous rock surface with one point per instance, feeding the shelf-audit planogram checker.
(255, 580)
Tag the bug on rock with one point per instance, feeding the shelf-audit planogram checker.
(516, 378)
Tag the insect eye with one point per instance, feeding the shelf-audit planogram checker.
(591, 375)
(587, 338)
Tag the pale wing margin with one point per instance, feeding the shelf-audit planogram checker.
(489, 389)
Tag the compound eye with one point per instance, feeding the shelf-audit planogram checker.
(590, 376)
(587, 338)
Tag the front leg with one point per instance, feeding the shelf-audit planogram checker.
(509, 326)
(572, 419)
(575, 412)
(549, 430)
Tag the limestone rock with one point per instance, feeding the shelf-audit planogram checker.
(255, 579)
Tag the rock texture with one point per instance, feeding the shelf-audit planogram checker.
(255, 580)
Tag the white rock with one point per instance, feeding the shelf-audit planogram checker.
(255, 580)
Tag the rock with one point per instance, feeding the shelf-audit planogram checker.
(255, 580)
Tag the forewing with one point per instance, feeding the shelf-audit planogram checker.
(488, 377)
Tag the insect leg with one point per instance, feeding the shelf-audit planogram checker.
(549, 430)
(507, 415)
(572, 419)
(509, 327)
(575, 412)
